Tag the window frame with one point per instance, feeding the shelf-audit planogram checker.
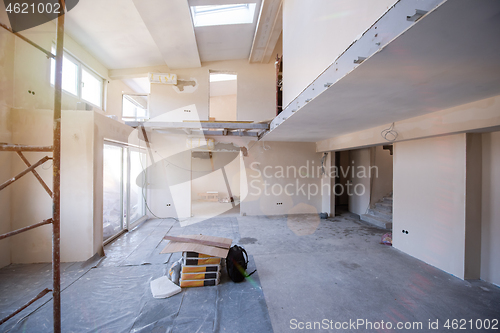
(79, 84)
(130, 118)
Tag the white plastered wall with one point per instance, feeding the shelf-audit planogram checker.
(429, 201)
(332, 26)
(304, 185)
(490, 249)
(223, 107)
(256, 90)
(31, 204)
(170, 175)
(204, 179)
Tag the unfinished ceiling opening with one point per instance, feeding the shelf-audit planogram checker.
(223, 102)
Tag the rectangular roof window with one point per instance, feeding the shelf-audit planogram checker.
(223, 14)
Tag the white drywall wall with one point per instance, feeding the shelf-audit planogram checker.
(31, 204)
(223, 108)
(429, 201)
(472, 116)
(269, 162)
(204, 179)
(490, 249)
(6, 99)
(256, 90)
(169, 175)
(332, 25)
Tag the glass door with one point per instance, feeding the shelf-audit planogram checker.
(113, 185)
(137, 189)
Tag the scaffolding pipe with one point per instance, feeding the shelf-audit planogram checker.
(40, 295)
(31, 168)
(35, 173)
(49, 55)
(18, 231)
(8, 147)
(56, 188)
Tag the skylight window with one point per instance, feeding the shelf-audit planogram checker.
(223, 14)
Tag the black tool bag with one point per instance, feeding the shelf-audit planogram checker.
(236, 263)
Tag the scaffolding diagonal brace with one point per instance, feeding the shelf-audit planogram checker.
(31, 168)
(40, 295)
(35, 173)
(18, 231)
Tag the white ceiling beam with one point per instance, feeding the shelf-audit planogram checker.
(133, 73)
(268, 31)
(170, 25)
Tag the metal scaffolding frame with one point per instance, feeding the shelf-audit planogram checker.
(55, 193)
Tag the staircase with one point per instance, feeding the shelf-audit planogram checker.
(381, 214)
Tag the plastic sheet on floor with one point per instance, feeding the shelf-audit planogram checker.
(118, 299)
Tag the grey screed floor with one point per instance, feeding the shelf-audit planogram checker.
(308, 270)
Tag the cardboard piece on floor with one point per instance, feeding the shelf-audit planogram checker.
(173, 246)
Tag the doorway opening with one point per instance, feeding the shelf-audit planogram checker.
(124, 195)
(223, 93)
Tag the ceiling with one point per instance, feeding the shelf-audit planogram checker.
(124, 34)
(450, 57)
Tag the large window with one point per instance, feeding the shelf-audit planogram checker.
(135, 107)
(79, 80)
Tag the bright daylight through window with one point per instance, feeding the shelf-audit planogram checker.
(223, 14)
(78, 80)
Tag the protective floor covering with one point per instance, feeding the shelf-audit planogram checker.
(112, 294)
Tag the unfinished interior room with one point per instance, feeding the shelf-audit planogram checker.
(249, 166)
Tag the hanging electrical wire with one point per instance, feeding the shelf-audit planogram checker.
(389, 134)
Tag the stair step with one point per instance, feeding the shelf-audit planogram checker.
(384, 207)
(380, 213)
(381, 223)
(387, 200)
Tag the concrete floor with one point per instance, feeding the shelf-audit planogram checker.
(328, 271)
(342, 273)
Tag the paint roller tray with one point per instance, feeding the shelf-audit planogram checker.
(163, 288)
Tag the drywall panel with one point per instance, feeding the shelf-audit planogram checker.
(358, 188)
(6, 95)
(490, 247)
(282, 178)
(209, 177)
(31, 204)
(256, 90)
(381, 175)
(223, 108)
(332, 25)
(169, 173)
(479, 115)
(429, 201)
